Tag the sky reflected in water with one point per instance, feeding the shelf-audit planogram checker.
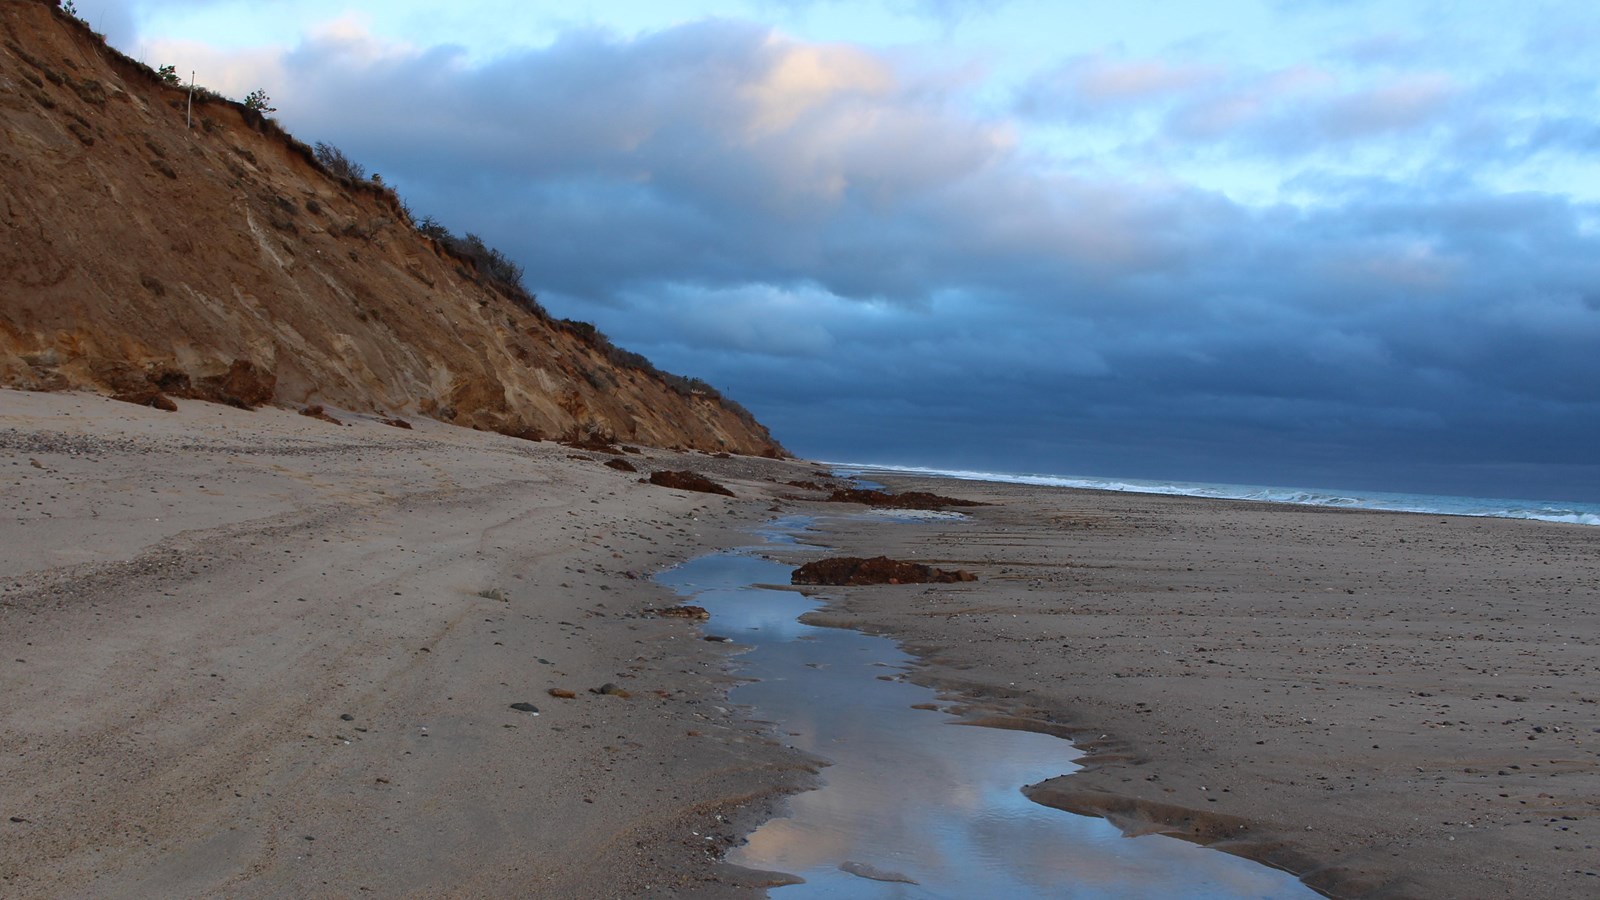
(911, 795)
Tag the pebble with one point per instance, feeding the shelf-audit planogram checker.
(525, 707)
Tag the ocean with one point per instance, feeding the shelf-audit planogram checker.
(1543, 510)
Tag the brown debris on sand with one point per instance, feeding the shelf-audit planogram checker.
(396, 422)
(245, 385)
(147, 397)
(853, 570)
(522, 432)
(688, 481)
(621, 465)
(591, 439)
(697, 613)
(907, 500)
(315, 411)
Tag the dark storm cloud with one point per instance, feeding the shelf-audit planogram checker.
(879, 272)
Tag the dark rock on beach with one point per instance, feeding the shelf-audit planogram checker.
(852, 570)
(688, 481)
(147, 397)
(316, 411)
(697, 613)
(907, 500)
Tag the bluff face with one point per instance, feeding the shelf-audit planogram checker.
(224, 262)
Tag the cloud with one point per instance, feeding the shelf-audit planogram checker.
(1085, 85)
(947, 12)
(879, 268)
(1398, 105)
(1299, 110)
(1382, 48)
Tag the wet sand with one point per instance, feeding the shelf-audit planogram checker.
(257, 654)
(1387, 704)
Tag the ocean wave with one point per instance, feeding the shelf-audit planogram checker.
(1434, 504)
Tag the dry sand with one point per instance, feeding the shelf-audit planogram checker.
(257, 654)
(1388, 704)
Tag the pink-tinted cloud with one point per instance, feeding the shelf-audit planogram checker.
(1098, 84)
(1399, 104)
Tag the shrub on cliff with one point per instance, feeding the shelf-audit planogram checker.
(430, 227)
(497, 266)
(334, 160)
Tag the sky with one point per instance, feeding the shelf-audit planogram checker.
(1322, 243)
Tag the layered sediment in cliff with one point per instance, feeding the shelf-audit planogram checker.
(149, 259)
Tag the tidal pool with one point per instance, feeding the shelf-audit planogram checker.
(915, 804)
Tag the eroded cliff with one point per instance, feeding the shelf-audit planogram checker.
(222, 261)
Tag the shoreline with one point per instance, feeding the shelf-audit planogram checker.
(1561, 512)
(1169, 635)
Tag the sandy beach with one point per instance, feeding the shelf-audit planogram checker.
(259, 654)
(1387, 704)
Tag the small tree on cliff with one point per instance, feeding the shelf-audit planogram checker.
(258, 101)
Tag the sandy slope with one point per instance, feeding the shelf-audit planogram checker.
(191, 603)
(141, 255)
(1387, 704)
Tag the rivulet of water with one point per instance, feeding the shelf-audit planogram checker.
(914, 803)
